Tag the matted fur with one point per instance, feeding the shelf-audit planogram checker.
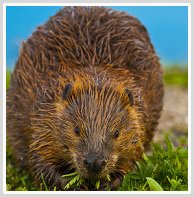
(101, 53)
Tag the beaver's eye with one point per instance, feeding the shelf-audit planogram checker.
(116, 134)
(77, 131)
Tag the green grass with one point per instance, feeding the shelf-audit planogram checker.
(8, 77)
(165, 169)
(16, 178)
(167, 166)
(176, 75)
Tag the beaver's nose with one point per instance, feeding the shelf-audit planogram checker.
(94, 164)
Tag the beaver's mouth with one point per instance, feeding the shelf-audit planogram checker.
(93, 176)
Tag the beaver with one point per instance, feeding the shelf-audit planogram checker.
(85, 96)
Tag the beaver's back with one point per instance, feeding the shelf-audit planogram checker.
(89, 36)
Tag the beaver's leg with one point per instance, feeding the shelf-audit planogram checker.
(16, 134)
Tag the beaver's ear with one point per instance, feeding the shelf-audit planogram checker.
(67, 91)
(130, 96)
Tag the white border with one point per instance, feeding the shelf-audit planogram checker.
(189, 97)
(4, 98)
(97, 4)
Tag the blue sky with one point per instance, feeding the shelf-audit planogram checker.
(167, 26)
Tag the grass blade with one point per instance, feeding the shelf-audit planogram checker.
(154, 185)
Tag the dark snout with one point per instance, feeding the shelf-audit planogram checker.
(94, 163)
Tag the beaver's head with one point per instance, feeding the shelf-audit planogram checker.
(101, 124)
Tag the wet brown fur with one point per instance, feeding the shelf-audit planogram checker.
(101, 53)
